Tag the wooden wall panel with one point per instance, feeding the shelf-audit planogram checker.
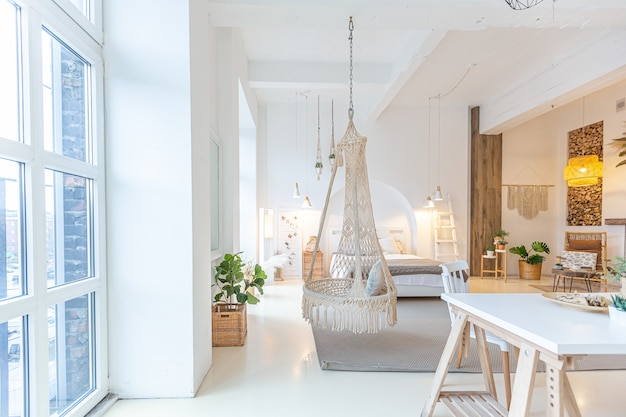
(485, 190)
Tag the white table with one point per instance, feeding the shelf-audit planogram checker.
(543, 330)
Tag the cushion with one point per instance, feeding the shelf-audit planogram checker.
(582, 259)
(388, 245)
(593, 246)
(399, 246)
(375, 280)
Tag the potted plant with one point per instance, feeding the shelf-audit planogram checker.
(500, 244)
(616, 269)
(499, 235)
(530, 263)
(558, 266)
(490, 250)
(617, 308)
(236, 282)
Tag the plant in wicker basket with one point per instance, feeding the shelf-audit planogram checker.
(237, 280)
(530, 263)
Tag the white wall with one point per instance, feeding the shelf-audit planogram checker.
(157, 192)
(397, 155)
(536, 152)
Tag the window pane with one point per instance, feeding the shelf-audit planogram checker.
(70, 352)
(69, 231)
(10, 72)
(82, 5)
(66, 100)
(11, 230)
(12, 375)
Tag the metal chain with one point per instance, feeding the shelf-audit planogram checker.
(351, 28)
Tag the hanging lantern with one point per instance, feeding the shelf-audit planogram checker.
(331, 155)
(318, 159)
(582, 171)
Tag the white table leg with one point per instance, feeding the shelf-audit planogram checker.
(447, 356)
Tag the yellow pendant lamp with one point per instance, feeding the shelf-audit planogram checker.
(582, 171)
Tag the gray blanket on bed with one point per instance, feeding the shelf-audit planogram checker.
(416, 266)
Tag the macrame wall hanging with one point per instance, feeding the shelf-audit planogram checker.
(360, 295)
(527, 199)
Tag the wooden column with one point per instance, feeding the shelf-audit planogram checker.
(485, 190)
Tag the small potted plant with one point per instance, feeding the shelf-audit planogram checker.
(490, 250)
(530, 263)
(617, 308)
(558, 266)
(236, 281)
(500, 244)
(499, 235)
(616, 269)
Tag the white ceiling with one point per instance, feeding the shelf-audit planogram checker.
(515, 64)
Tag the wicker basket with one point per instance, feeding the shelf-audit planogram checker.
(528, 271)
(229, 324)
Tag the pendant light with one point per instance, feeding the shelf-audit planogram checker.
(428, 203)
(296, 190)
(306, 203)
(331, 155)
(438, 195)
(318, 158)
(584, 170)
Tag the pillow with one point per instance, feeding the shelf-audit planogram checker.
(593, 246)
(375, 280)
(585, 244)
(582, 259)
(388, 245)
(399, 246)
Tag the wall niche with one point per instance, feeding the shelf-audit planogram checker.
(584, 204)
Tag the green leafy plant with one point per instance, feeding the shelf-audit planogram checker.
(531, 258)
(319, 165)
(620, 145)
(490, 248)
(237, 279)
(618, 301)
(501, 242)
(616, 268)
(500, 233)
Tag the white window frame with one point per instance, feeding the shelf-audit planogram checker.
(86, 40)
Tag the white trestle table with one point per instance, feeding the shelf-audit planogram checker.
(542, 330)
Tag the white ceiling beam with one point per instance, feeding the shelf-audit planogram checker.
(579, 74)
(416, 51)
(314, 74)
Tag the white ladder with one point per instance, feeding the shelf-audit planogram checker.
(446, 247)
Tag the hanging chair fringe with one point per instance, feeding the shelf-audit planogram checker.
(359, 315)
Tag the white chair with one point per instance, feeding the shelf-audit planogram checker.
(454, 276)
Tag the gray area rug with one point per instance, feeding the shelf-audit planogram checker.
(415, 345)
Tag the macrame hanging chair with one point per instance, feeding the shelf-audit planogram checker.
(360, 295)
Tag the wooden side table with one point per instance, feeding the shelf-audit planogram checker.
(318, 268)
(499, 264)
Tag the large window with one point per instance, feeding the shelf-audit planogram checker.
(52, 249)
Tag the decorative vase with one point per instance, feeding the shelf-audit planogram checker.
(501, 247)
(490, 253)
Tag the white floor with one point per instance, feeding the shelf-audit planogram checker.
(277, 374)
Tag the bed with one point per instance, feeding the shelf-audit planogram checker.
(414, 276)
